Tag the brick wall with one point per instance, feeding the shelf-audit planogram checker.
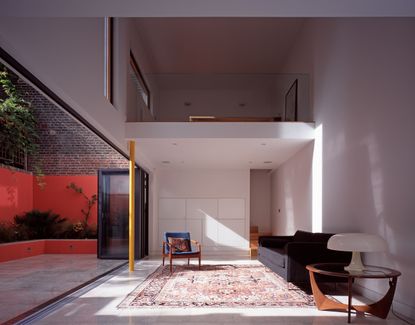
(66, 147)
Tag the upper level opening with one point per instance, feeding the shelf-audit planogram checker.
(230, 97)
(228, 69)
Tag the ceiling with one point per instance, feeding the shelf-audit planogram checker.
(219, 153)
(204, 8)
(217, 45)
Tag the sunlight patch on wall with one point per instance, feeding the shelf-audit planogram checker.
(290, 226)
(376, 174)
(223, 233)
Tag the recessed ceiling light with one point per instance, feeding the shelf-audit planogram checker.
(263, 144)
(165, 162)
(268, 162)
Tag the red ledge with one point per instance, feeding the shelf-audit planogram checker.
(22, 249)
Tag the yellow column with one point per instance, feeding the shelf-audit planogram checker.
(131, 205)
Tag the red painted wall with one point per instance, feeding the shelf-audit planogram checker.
(16, 193)
(65, 202)
(20, 192)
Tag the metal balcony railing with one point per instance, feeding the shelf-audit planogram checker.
(17, 158)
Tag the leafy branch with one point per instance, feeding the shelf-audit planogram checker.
(17, 123)
(90, 202)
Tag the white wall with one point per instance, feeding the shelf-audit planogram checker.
(363, 77)
(291, 194)
(220, 95)
(261, 199)
(67, 54)
(212, 205)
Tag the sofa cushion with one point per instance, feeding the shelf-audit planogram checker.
(303, 236)
(274, 241)
(306, 236)
(321, 237)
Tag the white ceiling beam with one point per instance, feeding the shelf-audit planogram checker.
(214, 130)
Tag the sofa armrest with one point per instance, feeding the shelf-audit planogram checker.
(274, 241)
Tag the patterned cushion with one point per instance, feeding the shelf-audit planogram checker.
(179, 244)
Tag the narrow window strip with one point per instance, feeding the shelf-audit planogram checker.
(108, 66)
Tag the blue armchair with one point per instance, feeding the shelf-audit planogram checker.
(171, 251)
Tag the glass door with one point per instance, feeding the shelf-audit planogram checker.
(141, 226)
(113, 214)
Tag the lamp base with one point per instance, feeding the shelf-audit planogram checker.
(356, 264)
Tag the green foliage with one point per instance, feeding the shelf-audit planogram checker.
(43, 225)
(37, 224)
(17, 123)
(84, 228)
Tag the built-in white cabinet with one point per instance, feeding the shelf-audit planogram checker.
(231, 233)
(218, 223)
(201, 208)
(231, 208)
(172, 209)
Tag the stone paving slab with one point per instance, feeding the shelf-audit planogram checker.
(26, 283)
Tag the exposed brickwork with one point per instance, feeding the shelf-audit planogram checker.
(66, 147)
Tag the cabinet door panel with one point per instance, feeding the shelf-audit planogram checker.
(210, 231)
(200, 208)
(194, 226)
(172, 208)
(231, 209)
(231, 233)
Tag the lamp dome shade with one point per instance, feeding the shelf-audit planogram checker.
(357, 242)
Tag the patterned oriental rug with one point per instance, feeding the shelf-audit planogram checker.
(216, 286)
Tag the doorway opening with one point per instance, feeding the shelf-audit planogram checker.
(113, 213)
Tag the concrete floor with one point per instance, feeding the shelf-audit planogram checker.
(26, 283)
(98, 305)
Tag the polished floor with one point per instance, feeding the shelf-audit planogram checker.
(98, 305)
(27, 283)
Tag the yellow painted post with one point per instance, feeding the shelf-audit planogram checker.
(131, 206)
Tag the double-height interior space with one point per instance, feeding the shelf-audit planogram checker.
(186, 162)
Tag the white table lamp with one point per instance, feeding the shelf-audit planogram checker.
(356, 243)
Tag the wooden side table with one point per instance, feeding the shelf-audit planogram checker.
(379, 308)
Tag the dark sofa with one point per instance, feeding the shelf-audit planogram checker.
(289, 255)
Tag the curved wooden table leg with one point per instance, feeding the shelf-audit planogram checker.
(322, 301)
(381, 307)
